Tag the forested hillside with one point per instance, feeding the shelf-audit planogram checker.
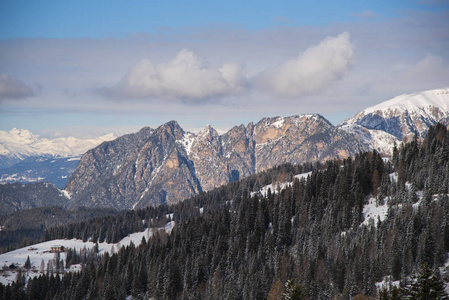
(27, 227)
(314, 235)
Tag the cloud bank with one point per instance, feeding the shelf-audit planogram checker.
(185, 77)
(313, 70)
(189, 79)
(13, 88)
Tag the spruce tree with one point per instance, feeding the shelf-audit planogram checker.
(425, 286)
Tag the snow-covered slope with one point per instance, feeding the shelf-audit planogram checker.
(40, 254)
(406, 114)
(378, 140)
(18, 144)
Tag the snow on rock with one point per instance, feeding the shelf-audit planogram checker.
(187, 141)
(378, 140)
(279, 122)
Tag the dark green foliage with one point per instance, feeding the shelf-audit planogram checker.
(425, 286)
(27, 264)
(293, 291)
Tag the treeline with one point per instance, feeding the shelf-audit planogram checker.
(311, 233)
(113, 228)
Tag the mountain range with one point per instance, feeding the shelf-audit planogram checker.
(26, 157)
(168, 165)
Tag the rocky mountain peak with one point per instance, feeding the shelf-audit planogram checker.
(171, 128)
(209, 133)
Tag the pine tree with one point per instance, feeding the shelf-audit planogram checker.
(27, 264)
(425, 286)
(293, 291)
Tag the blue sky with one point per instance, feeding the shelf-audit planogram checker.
(99, 19)
(108, 64)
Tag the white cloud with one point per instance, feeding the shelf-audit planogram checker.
(313, 70)
(430, 68)
(13, 88)
(185, 77)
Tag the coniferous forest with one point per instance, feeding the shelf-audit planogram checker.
(307, 241)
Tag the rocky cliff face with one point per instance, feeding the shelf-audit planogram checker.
(167, 165)
(299, 139)
(136, 170)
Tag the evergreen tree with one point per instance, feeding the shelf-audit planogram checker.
(293, 291)
(27, 264)
(425, 286)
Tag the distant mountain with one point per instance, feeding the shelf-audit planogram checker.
(19, 144)
(17, 197)
(168, 165)
(404, 115)
(26, 157)
(56, 170)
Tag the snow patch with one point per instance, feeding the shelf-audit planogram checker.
(374, 211)
(74, 159)
(66, 194)
(277, 187)
(279, 122)
(187, 141)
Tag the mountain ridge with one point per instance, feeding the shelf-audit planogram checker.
(169, 164)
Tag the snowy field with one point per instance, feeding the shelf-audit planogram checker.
(40, 253)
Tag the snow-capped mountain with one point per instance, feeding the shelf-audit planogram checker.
(18, 144)
(26, 157)
(406, 114)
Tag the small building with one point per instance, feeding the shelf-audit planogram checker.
(57, 249)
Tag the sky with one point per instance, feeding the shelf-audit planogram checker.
(89, 67)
